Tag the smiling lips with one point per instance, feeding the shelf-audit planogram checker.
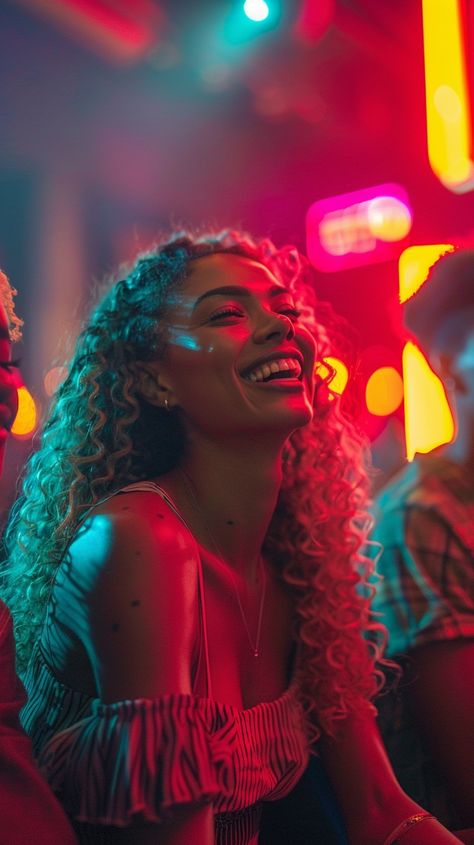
(279, 368)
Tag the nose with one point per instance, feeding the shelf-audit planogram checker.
(275, 327)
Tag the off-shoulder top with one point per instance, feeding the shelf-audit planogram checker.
(109, 762)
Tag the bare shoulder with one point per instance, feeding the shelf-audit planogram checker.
(137, 564)
(134, 536)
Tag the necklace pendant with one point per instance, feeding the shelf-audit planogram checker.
(256, 652)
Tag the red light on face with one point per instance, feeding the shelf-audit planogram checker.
(362, 227)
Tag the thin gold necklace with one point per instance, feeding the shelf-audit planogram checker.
(255, 646)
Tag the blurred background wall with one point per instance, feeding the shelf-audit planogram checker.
(119, 118)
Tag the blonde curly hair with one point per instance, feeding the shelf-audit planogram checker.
(101, 435)
(7, 294)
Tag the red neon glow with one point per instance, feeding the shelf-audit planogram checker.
(448, 120)
(361, 227)
(428, 418)
(125, 31)
(414, 264)
(313, 19)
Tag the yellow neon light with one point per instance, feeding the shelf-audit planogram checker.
(428, 418)
(414, 264)
(384, 391)
(448, 120)
(340, 377)
(25, 421)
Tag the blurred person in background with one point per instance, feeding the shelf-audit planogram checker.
(185, 563)
(29, 813)
(425, 523)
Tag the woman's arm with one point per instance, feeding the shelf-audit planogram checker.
(142, 605)
(371, 800)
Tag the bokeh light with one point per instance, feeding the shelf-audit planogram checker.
(384, 391)
(26, 419)
(53, 379)
(361, 227)
(414, 264)
(428, 419)
(340, 374)
(388, 218)
(448, 120)
(256, 10)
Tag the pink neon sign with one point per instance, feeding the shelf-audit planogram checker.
(361, 227)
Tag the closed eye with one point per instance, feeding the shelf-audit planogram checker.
(226, 312)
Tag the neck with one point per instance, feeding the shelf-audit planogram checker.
(229, 494)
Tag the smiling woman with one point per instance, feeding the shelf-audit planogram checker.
(185, 564)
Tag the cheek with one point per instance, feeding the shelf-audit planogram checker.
(308, 347)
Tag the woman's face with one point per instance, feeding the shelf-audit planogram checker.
(237, 360)
(8, 392)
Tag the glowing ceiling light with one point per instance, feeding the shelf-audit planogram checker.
(414, 264)
(384, 391)
(26, 419)
(340, 374)
(256, 10)
(448, 120)
(428, 418)
(357, 228)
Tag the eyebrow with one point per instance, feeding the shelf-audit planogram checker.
(237, 290)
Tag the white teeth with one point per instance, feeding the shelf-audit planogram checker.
(280, 364)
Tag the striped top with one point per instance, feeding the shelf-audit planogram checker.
(107, 762)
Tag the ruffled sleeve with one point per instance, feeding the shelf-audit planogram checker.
(142, 756)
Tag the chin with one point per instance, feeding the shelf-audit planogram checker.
(294, 417)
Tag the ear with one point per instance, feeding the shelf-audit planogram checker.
(152, 385)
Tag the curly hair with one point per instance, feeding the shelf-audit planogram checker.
(101, 435)
(7, 294)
